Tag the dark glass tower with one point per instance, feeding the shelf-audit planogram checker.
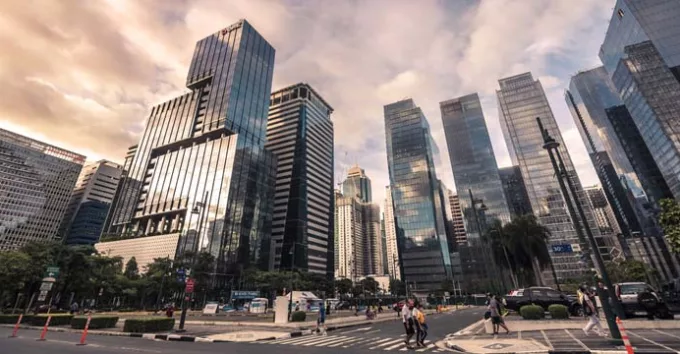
(473, 162)
(201, 169)
(300, 134)
(418, 213)
(515, 191)
(357, 185)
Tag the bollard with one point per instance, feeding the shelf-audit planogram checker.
(16, 326)
(624, 336)
(87, 325)
(44, 331)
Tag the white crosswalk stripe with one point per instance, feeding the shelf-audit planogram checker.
(340, 341)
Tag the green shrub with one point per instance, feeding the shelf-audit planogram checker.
(532, 312)
(298, 316)
(11, 319)
(57, 319)
(558, 312)
(96, 322)
(148, 324)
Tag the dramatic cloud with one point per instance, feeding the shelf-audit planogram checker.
(83, 74)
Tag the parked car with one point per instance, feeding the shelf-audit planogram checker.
(542, 296)
(640, 299)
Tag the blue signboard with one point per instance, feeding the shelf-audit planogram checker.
(247, 295)
(562, 248)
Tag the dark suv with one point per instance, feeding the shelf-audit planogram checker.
(543, 297)
(640, 299)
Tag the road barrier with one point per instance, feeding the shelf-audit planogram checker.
(44, 331)
(624, 336)
(16, 326)
(87, 325)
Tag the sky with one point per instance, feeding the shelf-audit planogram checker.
(83, 75)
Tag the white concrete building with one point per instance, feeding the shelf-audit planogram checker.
(393, 263)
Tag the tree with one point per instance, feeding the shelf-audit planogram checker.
(526, 242)
(670, 222)
(369, 285)
(131, 269)
(343, 286)
(397, 287)
(630, 270)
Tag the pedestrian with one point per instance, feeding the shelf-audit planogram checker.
(494, 310)
(416, 323)
(422, 324)
(500, 304)
(328, 308)
(407, 318)
(590, 312)
(321, 322)
(74, 308)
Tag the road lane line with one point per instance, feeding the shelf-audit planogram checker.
(346, 341)
(429, 346)
(396, 345)
(322, 342)
(364, 341)
(305, 340)
(651, 341)
(668, 334)
(289, 340)
(373, 331)
(386, 341)
(577, 341)
(547, 341)
(358, 330)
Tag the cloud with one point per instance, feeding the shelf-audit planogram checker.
(83, 75)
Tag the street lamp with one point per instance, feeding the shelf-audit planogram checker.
(551, 145)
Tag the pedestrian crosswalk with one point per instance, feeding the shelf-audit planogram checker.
(344, 341)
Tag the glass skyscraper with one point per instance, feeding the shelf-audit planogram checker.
(36, 181)
(515, 191)
(300, 134)
(521, 100)
(473, 163)
(357, 185)
(200, 171)
(418, 209)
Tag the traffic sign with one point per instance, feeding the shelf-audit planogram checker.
(42, 296)
(565, 248)
(52, 272)
(46, 286)
(189, 288)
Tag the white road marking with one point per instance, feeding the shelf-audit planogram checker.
(363, 341)
(373, 331)
(391, 341)
(547, 341)
(653, 342)
(665, 333)
(577, 341)
(429, 346)
(358, 330)
(396, 345)
(323, 343)
(346, 341)
(309, 340)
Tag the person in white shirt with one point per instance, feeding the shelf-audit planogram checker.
(590, 311)
(407, 318)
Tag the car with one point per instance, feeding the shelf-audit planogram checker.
(542, 296)
(342, 305)
(640, 299)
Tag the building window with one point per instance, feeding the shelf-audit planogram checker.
(620, 13)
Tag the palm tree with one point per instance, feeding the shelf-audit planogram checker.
(526, 240)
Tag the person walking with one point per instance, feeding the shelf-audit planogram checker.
(407, 318)
(423, 325)
(590, 312)
(416, 323)
(321, 322)
(494, 309)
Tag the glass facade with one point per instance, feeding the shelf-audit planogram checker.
(357, 185)
(515, 191)
(201, 169)
(36, 182)
(418, 209)
(652, 95)
(473, 162)
(521, 100)
(300, 134)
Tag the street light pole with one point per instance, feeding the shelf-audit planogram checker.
(552, 146)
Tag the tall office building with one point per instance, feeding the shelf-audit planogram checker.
(418, 214)
(357, 185)
(459, 236)
(300, 134)
(473, 163)
(90, 202)
(515, 191)
(200, 178)
(606, 222)
(352, 242)
(520, 100)
(36, 181)
(641, 54)
(391, 245)
(589, 96)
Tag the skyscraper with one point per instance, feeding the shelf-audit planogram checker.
(36, 181)
(473, 162)
(641, 54)
(391, 245)
(515, 191)
(460, 238)
(357, 184)
(418, 214)
(352, 242)
(90, 202)
(200, 177)
(520, 100)
(300, 134)
(589, 96)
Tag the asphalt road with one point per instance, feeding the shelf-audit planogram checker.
(350, 340)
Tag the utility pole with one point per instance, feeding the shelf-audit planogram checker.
(552, 146)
